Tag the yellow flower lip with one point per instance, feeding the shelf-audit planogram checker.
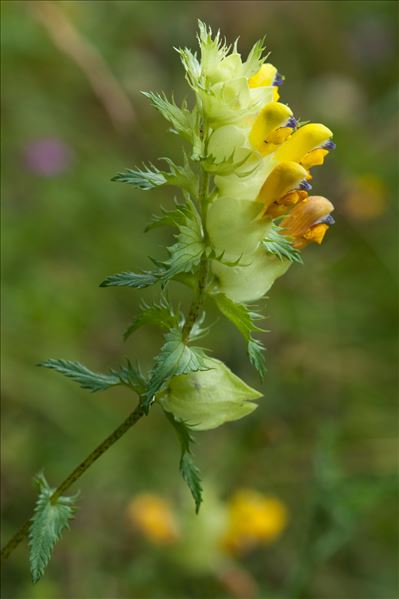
(273, 125)
(304, 140)
(264, 77)
(284, 178)
(309, 221)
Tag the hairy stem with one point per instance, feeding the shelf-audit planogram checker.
(77, 473)
(198, 300)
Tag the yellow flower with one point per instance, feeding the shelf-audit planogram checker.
(308, 221)
(266, 76)
(153, 516)
(253, 519)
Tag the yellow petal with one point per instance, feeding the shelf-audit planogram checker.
(304, 140)
(272, 117)
(265, 76)
(285, 177)
(316, 233)
(314, 158)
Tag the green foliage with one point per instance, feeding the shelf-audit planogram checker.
(174, 218)
(183, 121)
(175, 358)
(188, 469)
(161, 314)
(142, 178)
(150, 177)
(131, 279)
(48, 523)
(281, 246)
(255, 58)
(96, 381)
(191, 66)
(244, 319)
(186, 253)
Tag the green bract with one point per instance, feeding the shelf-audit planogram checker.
(250, 282)
(236, 227)
(209, 398)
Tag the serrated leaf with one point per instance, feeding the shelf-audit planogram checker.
(255, 58)
(192, 67)
(175, 358)
(189, 471)
(186, 253)
(87, 379)
(131, 279)
(182, 119)
(161, 314)
(144, 179)
(256, 356)
(150, 176)
(172, 218)
(48, 523)
(245, 320)
(132, 377)
(191, 474)
(95, 381)
(281, 245)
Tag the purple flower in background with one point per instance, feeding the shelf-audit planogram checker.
(48, 156)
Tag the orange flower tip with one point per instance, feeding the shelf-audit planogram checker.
(309, 221)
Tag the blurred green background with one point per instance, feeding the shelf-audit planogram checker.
(324, 438)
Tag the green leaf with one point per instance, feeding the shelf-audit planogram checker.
(191, 474)
(87, 379)
(161, 314)
(182, 119)
(281, 245)
(186, 253)
(132, 377)
(255, 58)
(188, 470)
(142, 179)
(256, 356)
(131, 279)
(150, 177)
(48, 523)
(191, 66)
(172, 218)
(245, 320)
(175, 358)
(95, 381)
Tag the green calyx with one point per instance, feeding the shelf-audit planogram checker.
(206, 399)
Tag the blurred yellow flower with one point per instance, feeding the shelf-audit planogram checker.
(253, 519)
(366, 197)
(153, 516)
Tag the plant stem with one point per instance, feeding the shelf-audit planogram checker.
(197, 302)
(77, 473)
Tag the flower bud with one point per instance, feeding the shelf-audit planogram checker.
(208, 398)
